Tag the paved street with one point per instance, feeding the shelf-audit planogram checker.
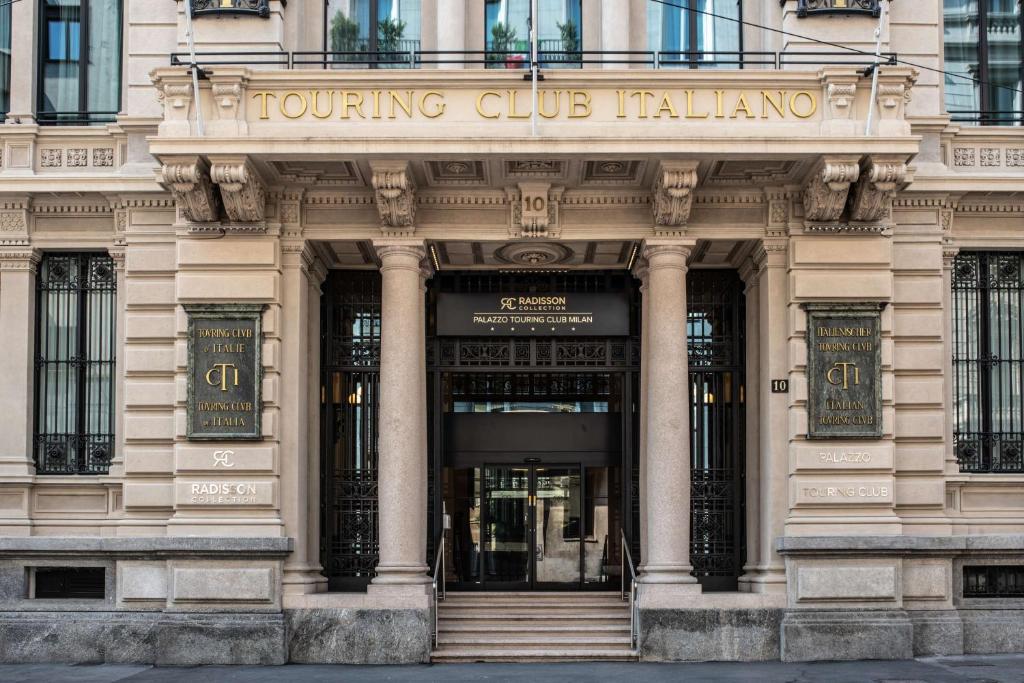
(1001, 669)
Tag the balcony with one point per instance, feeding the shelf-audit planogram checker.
(807, 8)
(552, 54)
(260, 8)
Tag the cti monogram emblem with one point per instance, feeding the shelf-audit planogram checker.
(221, 368)
(844, 369)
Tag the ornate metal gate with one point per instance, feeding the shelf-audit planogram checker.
(350, 335)
(716, 346)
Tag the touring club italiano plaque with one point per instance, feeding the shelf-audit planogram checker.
(844, 371)
(224, 371)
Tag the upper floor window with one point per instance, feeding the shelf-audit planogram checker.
(983, 42)
(696, 34)
(5, 59)
(379, 32)
(988, 361)
(75, 339)
(79, 61)
(559, 33)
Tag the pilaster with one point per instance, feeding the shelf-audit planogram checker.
(18, 269)
(641, 271)
(750, 275)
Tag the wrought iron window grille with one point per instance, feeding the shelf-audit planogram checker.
(75, 359)
(260, 8)
(988, 357)
(805, 8)
(994, 581)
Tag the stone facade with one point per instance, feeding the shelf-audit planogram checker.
(854, 548)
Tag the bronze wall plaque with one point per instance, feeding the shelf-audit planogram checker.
(844, 371)
(224, 371)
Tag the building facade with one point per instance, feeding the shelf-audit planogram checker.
(331, 349)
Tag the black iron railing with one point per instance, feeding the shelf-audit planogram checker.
(260, 8)
(518, 60)
(75, 118)
(988, 118)
(806, 8)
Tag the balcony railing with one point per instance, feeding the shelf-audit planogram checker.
(260, 8)
(988, 118)
(806, 8)
(412, 57)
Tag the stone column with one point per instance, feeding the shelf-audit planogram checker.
(451, 30)
(17, 366)
(668, 424)
(24, 32)
(641, 272)
(300, 575)
(615, 29)
(401, 445)
(773, 358)
(749, 274)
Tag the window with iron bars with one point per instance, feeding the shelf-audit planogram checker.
(76, 310)
(988, 361)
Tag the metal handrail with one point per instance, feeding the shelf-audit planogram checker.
(438, 578)
(627, 559)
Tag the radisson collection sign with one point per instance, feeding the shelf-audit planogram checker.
(522, 315)
(224, 371)
(844, 371)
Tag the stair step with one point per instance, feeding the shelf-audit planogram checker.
(461, 654)
(536, 628)
(524, 642)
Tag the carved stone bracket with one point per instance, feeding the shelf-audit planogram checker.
(674, 184)
(188, 179)
(241, 189)
(827, 189)
(396, 196)
(879, 182)
(534, 210)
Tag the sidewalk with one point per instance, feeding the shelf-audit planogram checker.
(978, 669)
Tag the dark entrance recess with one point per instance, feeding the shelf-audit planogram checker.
(534, 441)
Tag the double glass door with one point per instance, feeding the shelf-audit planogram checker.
(532, 526)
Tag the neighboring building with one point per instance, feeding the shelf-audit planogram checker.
(730, 314)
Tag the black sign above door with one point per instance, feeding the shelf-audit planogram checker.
(527, 315)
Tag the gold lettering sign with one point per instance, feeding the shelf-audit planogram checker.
(516, 104)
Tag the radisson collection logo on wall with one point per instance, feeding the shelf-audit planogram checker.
(532, 314)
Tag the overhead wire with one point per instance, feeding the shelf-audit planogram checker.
(855, 50)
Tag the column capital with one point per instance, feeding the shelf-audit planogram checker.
(771, 253)
(20, 259)
(399, 253)
(668, 253)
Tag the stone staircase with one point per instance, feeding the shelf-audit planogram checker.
(533, 627)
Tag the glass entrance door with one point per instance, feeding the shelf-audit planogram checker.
(532, 526)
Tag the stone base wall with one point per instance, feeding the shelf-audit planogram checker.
(738, 635)
(358, 636)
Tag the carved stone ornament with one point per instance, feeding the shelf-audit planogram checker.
(241, 189)
(396, 195)
(879, 182)
(828, 188)
(840, 99)
(188, 179)
(673, 193)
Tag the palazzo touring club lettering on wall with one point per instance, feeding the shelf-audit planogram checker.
(844, 371)
(611, 104)
(562, 315)
(224, 371)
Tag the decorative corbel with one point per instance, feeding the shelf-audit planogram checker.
(827, 189)
(188, 179)
(176, 97)
(880, 180)
(241, 189)
(396, 196)
(674, 184)
(533, 210)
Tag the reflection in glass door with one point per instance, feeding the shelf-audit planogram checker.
(519, 527)
(506, 551)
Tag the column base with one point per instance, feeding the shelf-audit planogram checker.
(668, 574)
(304, 579)
(402, 575)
